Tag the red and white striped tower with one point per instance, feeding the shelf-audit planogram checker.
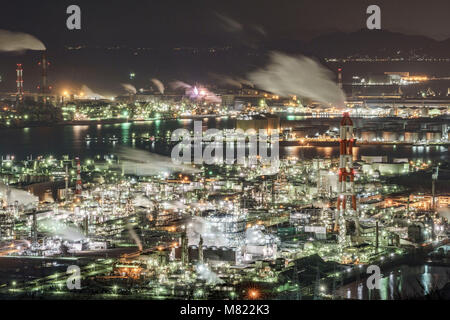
(346, 175)
(19, 82)
(79, 183)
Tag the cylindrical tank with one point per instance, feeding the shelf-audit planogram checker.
(411, 136)
(368, 135)
(433, 136)
(390, 136)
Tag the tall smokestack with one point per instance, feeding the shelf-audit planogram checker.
(340, 77)
(19, 82)
(44, 88)
(200, 250)
(346, 175)
(184, 249)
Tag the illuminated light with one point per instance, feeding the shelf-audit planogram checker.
(253, 294)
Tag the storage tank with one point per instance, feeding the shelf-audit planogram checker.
(433, 136)
(368, 135)
(390, 136)
(411, 136)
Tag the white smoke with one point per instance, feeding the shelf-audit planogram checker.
(60, 229)
(227, 80)
(301, 76)
(229, 24)
(18, 41)
(180, 84)
(255, 236)
(129, 88)
(444, 213)
(205, 273)
(134, 236)
(246, 82)
(212, 236)
(89, 94)
(159, 85)
(231, 81)
(173, 205)
(146, 163)
(23, 198)
(143, 202)
(259, 29)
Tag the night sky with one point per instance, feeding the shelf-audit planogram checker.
(168, 23)
(147, 22)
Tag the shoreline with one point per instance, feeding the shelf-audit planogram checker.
(104, 121)
(284, 143)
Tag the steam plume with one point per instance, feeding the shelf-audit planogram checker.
(159, 85)
(302, 76)
(149, 163)
(205, 273)
(130, 88)
(18, 41)
(229, 24)
(89, 94)
(61, 229)
(134, 236)
(231, 81)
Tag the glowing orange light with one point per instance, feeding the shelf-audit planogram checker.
(253, 294)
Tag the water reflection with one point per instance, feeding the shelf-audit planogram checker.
(402, 283)
(70, 140)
